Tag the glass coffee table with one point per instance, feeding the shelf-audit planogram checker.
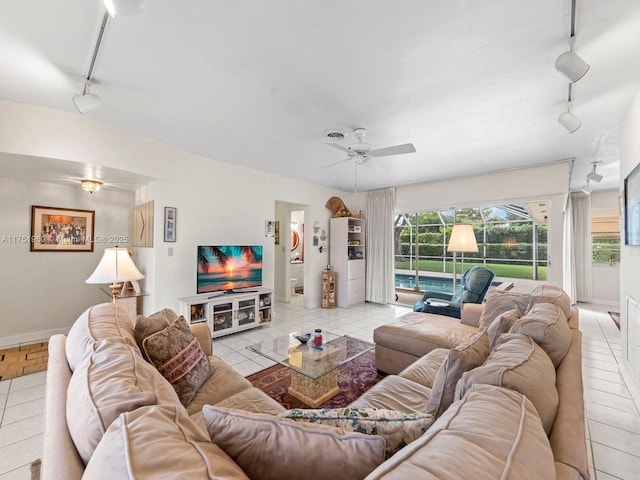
(314, 375)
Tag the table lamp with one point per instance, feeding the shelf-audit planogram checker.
(462, 240)
(115, 266)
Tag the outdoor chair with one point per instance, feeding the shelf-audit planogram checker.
(475, 283)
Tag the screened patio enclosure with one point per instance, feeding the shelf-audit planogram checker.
(511, 242)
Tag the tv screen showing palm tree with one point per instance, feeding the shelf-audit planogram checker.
(229, 267)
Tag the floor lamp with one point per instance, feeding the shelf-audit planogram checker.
(462, 240)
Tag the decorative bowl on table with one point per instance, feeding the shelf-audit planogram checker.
(301, 337)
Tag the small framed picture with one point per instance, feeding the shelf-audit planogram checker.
(170, 224)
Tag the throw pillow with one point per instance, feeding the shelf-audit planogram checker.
(502, 324)
(397, 428)
(548, 326)
(272, 448)
(499, 302)
(518, 363)
(159, 442)
(552, 294)
(178, 356)
(155, 322)
(464, 357)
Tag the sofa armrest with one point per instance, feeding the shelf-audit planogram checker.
(471, 313)
(438, 295)
(203, 334)
(60, 458)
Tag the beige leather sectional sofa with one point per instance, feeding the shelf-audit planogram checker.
(111, 414)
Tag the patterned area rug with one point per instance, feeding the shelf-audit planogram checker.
(18, 361)
(615, 316)
(354, 378)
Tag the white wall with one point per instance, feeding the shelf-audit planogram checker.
(548, 183)
(605, 278)
(630, 257)
(43, 293)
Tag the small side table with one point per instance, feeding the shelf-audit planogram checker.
(128, 299)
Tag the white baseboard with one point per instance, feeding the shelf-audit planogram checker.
(610, 302)
(14, 340)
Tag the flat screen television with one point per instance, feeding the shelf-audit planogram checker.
(228, 267)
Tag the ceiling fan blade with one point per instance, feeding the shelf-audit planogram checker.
(375, 166)
(336, 163)
(339, 147)
(395, 150)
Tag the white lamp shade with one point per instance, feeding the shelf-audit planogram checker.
(463, 240)
(118, 8)
(115, 266)
(87, 102)
(569, 121)
(572, 66)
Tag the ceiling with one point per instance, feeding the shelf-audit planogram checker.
(471, 84)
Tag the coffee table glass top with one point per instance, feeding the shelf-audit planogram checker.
(308, 360)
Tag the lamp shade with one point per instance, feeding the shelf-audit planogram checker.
(569, 121)
(115, 266)
(87, 102)
(572, 66)
(463, 240)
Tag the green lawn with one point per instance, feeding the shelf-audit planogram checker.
(501, 270)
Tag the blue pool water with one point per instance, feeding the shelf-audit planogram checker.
(437, 284)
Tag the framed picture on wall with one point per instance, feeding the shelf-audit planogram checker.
(61, 229)
(170, 224)
(632, 207)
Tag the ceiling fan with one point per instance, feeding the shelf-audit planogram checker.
(361, 152)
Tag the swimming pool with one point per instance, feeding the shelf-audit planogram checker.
(434, 284)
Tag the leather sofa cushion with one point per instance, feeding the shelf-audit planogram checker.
(106, 320)
(552, 294)
(518, 363)
(491, 433)
(395, 393)
(502, 324)
(159, 442)
(113, 380)
(464, 357)
(271, 448)
(548, 326)
(418, 333)
(498, 302)
(425, 369)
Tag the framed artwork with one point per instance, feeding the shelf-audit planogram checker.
(632, 207)
(142, 225)
(170, 224)
(269, 228)
(276, 233)
(61, 229)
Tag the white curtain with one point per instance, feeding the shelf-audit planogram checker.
(380, 285)
(569, 267)
(581, 243)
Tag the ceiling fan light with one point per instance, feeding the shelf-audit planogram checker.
(87, 102)
(569, 121)
(117, 8)
(572, 66)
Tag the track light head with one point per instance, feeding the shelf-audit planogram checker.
(117, 8)
(572, 66)
(87, 102)
(569, 121)
(586, 189)
(595, 177)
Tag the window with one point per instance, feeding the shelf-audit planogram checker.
(605, 235)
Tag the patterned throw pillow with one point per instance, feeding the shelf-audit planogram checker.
(178, 356)
(155, 322)
(397, 428)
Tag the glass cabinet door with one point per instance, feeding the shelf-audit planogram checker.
(222, 317)
(246, 312)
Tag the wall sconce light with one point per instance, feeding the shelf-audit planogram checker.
(91, 185)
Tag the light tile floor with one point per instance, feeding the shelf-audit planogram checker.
(613, 423)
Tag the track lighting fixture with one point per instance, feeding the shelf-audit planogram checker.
(586, 189)
(569, 121)
(117, 8)
(86, 101)
(593, 176)
(571, 65)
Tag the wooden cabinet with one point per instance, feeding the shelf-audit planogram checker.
(347, 257)
(329, 282)
(230, 312)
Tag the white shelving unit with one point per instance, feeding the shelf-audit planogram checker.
(229, 312)
(347, 258)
